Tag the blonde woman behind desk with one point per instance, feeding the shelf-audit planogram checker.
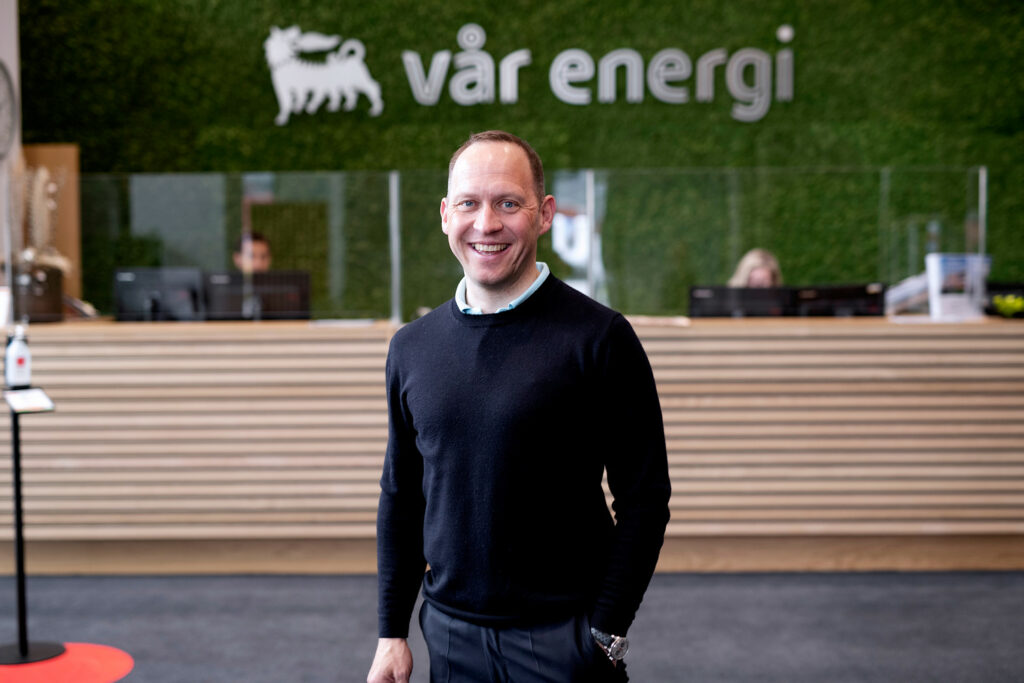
(757, 268)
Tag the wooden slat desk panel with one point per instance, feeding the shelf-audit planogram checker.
(843, 428)
(786, 436)
(205, 431)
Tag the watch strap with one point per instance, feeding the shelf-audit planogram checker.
(614, 647)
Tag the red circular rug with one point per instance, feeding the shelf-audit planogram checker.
(80, 663)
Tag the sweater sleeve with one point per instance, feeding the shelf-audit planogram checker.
(400, 561)
(637, 466)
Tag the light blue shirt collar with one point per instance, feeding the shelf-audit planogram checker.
(460, 293)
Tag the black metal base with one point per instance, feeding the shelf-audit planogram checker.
(37, 652)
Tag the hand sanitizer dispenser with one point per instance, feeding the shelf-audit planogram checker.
(17, 360)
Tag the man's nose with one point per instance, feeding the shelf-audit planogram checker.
(487, 219)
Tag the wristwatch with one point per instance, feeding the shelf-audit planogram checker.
(614, 646)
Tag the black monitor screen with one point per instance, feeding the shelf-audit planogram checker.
(274, 295)
(738, 302)
(158, 294)
(827, 300)
(840, 301)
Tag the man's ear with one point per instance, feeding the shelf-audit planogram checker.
(444, 215)
(547, 213)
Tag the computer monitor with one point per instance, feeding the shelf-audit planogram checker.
(840, 301)
(150, 294)
(273, 295)
(738, 302)
(827, 300)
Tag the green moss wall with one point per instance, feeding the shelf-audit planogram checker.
(183, 85)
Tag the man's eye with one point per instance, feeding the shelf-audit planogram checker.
(467, 204)
(509, 205)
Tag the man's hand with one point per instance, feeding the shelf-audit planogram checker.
(392, 663)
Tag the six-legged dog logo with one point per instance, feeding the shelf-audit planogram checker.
(303, 85)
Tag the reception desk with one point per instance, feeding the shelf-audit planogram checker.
(793, 444)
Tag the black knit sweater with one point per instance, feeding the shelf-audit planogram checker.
(500, 429)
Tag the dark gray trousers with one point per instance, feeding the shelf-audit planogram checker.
(562, 652)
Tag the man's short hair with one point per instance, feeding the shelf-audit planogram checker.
(250, 237)
(536, 166)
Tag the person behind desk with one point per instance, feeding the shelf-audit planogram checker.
(506, 405)
(252, 253)
(757, 268)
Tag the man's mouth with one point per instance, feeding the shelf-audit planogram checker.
(489, 248)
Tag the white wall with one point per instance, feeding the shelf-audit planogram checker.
(9, 56)
(9, 51)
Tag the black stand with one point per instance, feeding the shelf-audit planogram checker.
(23, 651)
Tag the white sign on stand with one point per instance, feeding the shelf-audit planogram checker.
(26, 400)
(32, 400)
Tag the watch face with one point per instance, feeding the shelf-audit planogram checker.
(618, 648)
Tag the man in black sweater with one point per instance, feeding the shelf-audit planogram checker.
(506, 406)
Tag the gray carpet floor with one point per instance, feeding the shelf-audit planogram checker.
(711, 627)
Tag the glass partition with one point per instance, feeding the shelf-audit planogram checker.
(636, 239)
(669, 229)
(330, 225)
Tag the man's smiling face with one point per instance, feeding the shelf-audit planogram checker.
(493, 218)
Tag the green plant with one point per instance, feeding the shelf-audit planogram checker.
(1008, 305)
